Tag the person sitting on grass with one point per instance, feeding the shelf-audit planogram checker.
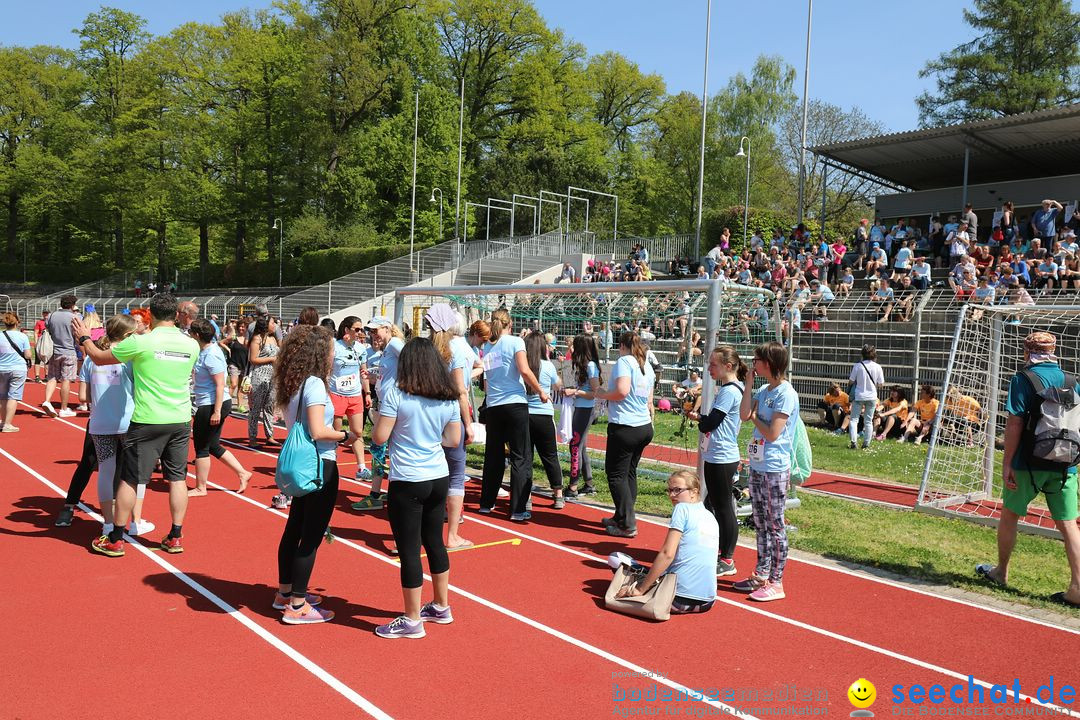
(690, 549)
(894, 413)
(835, 407)
(921, 422)
(966, 411)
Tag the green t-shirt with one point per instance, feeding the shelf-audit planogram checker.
(1022, 399)
(162, 360)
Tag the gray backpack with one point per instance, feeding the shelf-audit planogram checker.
(1053, 427)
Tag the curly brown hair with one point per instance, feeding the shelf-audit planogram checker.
(306, 352)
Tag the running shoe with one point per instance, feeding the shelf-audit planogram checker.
(401, 627)
(750, 584)
(363, 474)
(48, 408)
(67, 413)
(484, 510)
(279, 501)
(140, 527)
(430, 613)
(65, 517)
(83, 407)
(306, 615)
(172, 545)
(521, 517)
(724, 568)
(570, 493)
(558, 503)
(609, 522)
(616, 531)
(587, 490)
(768, 592)
(369, 503)
(503, 492)
(9, 429)
(281, 602)
(105, 547)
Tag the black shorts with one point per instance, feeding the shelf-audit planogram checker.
(145, 444)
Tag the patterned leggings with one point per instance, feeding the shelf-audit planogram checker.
(259, 409)
(768, 495)
(107, 448)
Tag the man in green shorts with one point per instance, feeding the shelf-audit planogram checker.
(161, 424)
(1022, 478)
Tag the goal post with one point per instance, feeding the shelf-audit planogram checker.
(671, 310)
(962, 473)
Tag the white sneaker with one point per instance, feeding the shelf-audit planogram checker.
(66, 413)
(504, 493)
(49, 409)
(83, 408)
(140, 528)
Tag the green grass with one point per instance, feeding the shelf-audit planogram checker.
(915, 545)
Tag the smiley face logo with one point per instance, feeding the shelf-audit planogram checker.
(862, 693)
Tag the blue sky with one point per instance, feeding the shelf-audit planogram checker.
(863, 53)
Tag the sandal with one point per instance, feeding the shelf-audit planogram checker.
(983, 570)
(1059, 597)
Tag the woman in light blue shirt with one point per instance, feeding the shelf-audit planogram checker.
(387, 340)
(630, 430)
(212, 406)
(507, 374)
(419, 416)
(302, 396)
(542, 415)
(347, 388)
(14, 354)
(774, 411)
(721, 455)
(586, 369)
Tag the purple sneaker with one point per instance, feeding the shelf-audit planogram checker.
(401, 627)
(430, 613)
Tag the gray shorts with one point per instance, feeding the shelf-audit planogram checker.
(11, 385)
(62, 367)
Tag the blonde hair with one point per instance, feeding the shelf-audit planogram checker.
(500, 323)
(118, 327)
(691, 479)
(441, 340)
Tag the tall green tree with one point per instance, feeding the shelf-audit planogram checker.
(1025, 57)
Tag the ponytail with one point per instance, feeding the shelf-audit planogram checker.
(500, 322)
(728, 355)
(632, 342)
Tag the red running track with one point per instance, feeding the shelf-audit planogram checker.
(530, 636)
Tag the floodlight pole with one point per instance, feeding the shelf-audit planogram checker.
(805, 90)
(704, 112)
(280, 227)
(460, 137)
(746, 199)
(412, 217)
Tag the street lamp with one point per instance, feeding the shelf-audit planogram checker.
(746, 200)
(280, 227)
(433, 191)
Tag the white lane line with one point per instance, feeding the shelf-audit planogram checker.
(638, 670)
(276, 642)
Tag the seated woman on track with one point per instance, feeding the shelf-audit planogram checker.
(689, 550)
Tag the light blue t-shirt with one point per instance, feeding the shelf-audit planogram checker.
(634, 408)
(903, 258)
(211, 362)
(462, 357)
(12, 359)
(781, 399)
(314, 392)
(345, 373)
(591, 371)
(388, 362)
(723, 446)
(111, 388)
(695, 558)
(504, 383)
(416, 440)
(548, 379)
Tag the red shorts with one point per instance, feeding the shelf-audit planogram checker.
(347, 406)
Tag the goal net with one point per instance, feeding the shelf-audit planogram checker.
(962, 475)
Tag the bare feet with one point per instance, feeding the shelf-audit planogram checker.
(245, 475)
(196, 492)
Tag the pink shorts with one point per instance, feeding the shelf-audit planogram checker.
(347, 406)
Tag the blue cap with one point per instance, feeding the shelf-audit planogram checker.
(125, 311)
(88, 308)
(877, 244)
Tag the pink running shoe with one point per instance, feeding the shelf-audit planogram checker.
(306, 615)
(768, 593)
(280, 601)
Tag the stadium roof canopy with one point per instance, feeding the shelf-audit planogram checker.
(1017, 147)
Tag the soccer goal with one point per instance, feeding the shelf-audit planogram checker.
(962, 475)
(682, 321)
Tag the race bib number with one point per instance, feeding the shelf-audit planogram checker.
(756, 450)
(348, 382)
(492, 360)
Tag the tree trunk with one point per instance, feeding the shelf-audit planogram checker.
(162, 269)
(204, 247)
(118, 239)
(12, 225)
(241, 238)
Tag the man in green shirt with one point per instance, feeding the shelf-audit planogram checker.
(161, 424)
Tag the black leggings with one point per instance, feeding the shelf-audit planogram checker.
(207, 437)
(719, 479)
(309, 517)
(417, 511)
(542, 440)
(624, 448)
(81, 477)
(507, 425)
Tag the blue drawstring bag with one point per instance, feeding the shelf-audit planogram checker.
(299, 467)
